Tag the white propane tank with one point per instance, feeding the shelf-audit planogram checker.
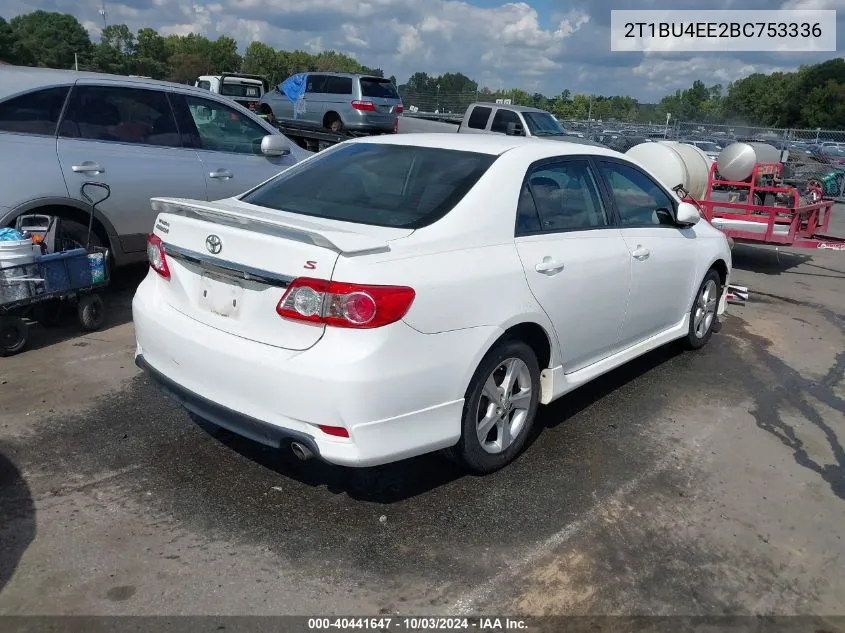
(675, 164)
(737, 160)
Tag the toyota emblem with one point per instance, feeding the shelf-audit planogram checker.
(213, 244)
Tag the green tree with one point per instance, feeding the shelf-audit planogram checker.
(50, 39)
(223, 55)
(824, 106)
(260, 59)
(114, 53)
(7, 42)
(150, 59)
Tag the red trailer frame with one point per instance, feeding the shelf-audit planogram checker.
(796, 226)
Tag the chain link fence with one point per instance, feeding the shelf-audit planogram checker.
(815, 154)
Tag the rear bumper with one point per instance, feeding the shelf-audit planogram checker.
(223, 417)
(369, 122)
(398, 392)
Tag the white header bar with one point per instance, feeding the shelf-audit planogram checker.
(723, 31)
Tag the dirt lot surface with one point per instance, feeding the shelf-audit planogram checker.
(685, 483)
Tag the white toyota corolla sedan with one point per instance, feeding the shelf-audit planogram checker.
(401, 294)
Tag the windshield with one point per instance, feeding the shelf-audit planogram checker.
(833, 151)
(543, 124)
(378, 88)
(395, 186)
(233, 89)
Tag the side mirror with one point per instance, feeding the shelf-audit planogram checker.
(514, 129)
(275, 145)
(688, 214)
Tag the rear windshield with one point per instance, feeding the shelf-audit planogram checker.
(368, 183)
(379, 88)
(231, 89)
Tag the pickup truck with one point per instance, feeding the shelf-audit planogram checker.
(246, 90)
(494, 118)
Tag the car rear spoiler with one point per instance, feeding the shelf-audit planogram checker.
(341, 242)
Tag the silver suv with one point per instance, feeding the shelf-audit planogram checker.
(339, 101)
(144, 138)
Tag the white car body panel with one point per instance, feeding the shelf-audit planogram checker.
(399, 389)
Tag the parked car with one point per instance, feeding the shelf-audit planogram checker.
(708, 147)
(400, 294)
(340, 101)
(143, 138)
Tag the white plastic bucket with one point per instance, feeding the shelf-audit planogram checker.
(14, 282)
(16, 253)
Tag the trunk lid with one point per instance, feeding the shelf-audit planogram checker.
(230, 263)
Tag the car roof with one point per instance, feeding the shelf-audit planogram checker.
(493, 144)
(17, 79)
(341, 74)
(515, 108)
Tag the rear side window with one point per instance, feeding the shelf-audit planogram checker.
(567, 197)
(377, 184)
(315, 83)
(205, 85)
(378, 88)
(339, 85)
(123, 115)
(501, 120)
(478, 118)
(34, 112)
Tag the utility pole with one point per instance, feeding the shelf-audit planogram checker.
(104, 13)
(590, 116)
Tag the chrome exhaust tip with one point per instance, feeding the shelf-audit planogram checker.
(300, 451)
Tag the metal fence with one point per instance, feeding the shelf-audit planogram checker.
(452, 105)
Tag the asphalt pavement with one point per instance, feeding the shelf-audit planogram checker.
(708, 482)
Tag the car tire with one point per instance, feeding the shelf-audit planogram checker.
(91, 312)
(507, 424)
(703, 313)
(334, 123)
(13, 335)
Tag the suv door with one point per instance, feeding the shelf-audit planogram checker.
(575, 260)
(28, 149)
(228, 143)
(338, 98)
(315, 99)
(663, 264)
(127, 138)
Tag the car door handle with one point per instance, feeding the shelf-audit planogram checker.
(641, 253)
(222, 174)
(549, 266)
(87, 168)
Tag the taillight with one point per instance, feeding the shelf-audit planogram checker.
(399, 109)
(364, 106)
(155, 255)
(344, 304)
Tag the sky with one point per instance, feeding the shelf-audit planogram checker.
(536, 45)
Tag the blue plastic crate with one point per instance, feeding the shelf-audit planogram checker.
(66, 270)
